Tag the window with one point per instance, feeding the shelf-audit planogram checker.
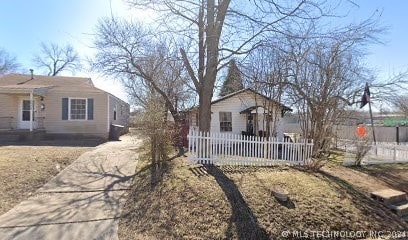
(26, 110)
(114, 113)
(78, 110)
(225, 122)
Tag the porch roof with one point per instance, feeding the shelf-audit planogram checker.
(254, 109)
(40, 90)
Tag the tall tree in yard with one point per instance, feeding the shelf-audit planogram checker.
(233, 81)
(326, 75)
(215, 31)
(55, 59)
(151, 71)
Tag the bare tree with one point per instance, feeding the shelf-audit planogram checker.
(401, 102)
(218, 30)
(265, 73)
(55, 59)
(325, 76)
(148, 68)
(8, 63)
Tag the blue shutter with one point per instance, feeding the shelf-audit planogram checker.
(64, 109)
(90, 108)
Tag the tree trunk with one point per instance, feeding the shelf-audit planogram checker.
(204, 112)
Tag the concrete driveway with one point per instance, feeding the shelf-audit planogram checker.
(82, 202)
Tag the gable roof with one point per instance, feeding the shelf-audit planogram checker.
(20, 79)
(25, 81)
(284, 108)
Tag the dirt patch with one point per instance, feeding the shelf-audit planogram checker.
(359, 179)
(369, 178)
(395, 175)
(23, 169)
(198, 202)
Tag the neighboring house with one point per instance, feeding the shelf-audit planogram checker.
(61, 106)
(244, 112)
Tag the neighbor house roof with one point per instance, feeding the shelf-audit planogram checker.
(35, 89)
(26, 82)
(284, 108)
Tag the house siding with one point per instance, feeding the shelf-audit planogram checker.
(235, 105)
(8, 108)
(54, 124)
(122, 111)
(54, 89)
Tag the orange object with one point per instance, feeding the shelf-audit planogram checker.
(361, 130)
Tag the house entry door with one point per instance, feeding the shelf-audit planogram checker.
(24, 114)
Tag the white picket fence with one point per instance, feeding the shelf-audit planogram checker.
(234, 149)
(380, 153)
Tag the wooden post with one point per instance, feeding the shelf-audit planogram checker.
(372, 126)
(31, 110)
(397, 135)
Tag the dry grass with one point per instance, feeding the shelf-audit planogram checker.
(395, 175)
(369, 178)
(197, 202)
(23, 169)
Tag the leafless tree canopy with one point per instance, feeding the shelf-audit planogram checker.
(149, 67)
(215, 31)
(265, 73)
(287, 50)
(401, 102)
(55, 59)
(321, 74)
(8, 63)
(144, 62)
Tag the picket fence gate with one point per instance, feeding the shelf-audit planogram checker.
(234, 149)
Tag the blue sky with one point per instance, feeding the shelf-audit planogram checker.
(24, 24)
(390, 57)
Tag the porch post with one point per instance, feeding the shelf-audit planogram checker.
(31, 110)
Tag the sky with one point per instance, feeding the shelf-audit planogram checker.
(24, 24)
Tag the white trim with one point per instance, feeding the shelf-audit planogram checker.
(219, 121)
(20, 124)
(69, 109)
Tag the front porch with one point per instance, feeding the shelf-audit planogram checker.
(10, 124)
(17, 135)
(23, 108)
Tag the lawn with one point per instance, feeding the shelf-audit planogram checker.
(23, 169)
(198, 202)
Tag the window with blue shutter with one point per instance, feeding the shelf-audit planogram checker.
(90, 109)
(64, 109)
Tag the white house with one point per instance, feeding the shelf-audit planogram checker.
(244, 112)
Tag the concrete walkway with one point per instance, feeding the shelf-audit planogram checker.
(81, 202)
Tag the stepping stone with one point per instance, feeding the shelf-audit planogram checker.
(280, 193)
(401, 209)
(389, 196)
